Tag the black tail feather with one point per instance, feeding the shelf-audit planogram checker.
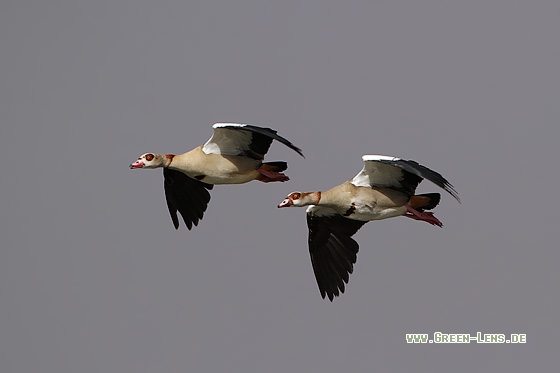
(277, 166)
(434, 201)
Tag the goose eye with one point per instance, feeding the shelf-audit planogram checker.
(149, 157)
(296, 195)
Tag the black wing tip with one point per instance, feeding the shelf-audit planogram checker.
(449, 188)
(297, 150)
(428, 174)
(268, 132)
(178, 185)
(331, 244)
(334, 290)
(189, 223)
(454, 193)
(288, 144)
(331, 295)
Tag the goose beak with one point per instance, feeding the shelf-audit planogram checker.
(285, 203)
(137, 164)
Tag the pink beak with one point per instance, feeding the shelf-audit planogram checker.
(137, 164)
(285, 203)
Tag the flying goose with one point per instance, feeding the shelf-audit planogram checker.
(233, 155)
(383, 189)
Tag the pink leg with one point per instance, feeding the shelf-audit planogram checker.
(428, 217)
(270, 176)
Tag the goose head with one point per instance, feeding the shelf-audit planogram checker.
(299, 199)
(151, 160)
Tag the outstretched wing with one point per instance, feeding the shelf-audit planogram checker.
(399, 174)
(188, 196)
(243, 139)
(332, 249)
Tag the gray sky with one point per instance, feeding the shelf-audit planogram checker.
(93, 277)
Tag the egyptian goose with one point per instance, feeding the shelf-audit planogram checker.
(383, 189)
(233, 155)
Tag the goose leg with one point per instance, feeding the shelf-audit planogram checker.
(428, 217)
(270, 176)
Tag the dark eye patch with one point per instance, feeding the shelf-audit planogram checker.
(149, 157)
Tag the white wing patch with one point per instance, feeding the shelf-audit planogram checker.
(377, 173)
(376, 157)
(226, 141)
(361, 179)
(223, 125)
(320, 211)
